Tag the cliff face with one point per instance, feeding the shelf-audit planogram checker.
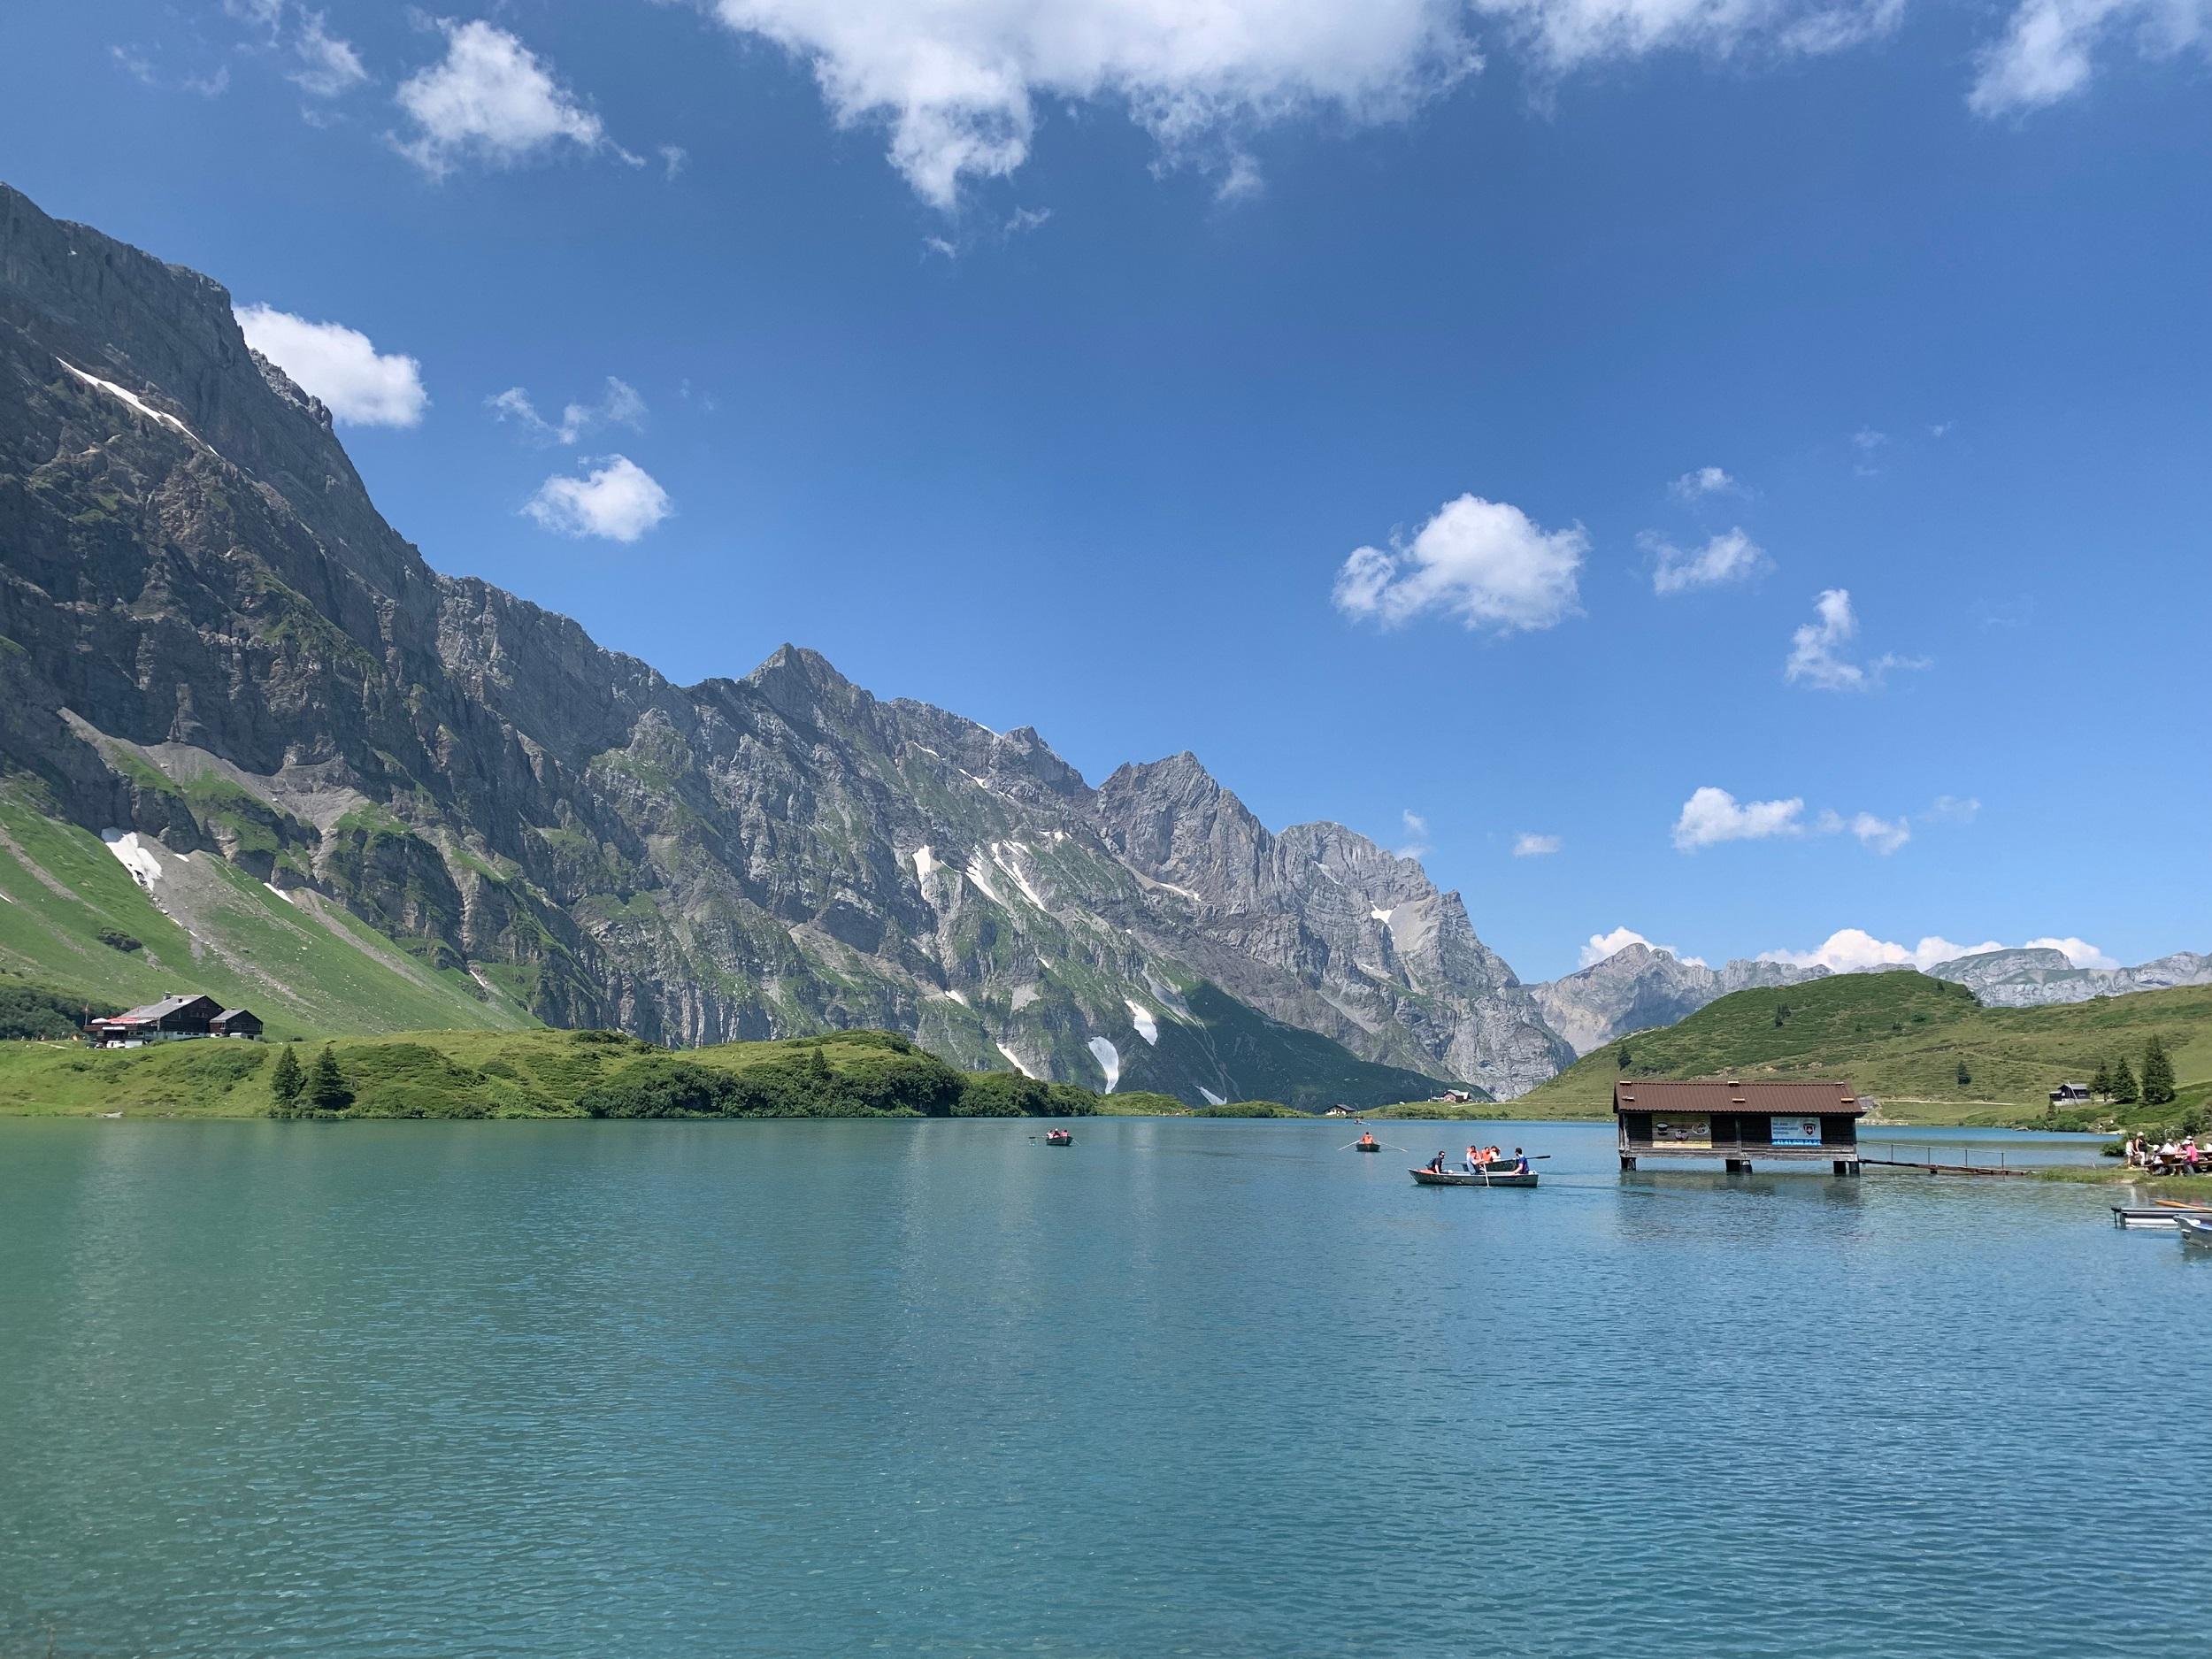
(213, 639)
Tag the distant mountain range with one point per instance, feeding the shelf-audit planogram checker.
(352, 789)
(1642, 987)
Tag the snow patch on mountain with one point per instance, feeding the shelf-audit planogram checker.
(1015, 1061)
(1108, 1058)
(131, 850)
(136, 403)
(924, 861)
(1141, 1018)
(983, 882)
(1211, 1098)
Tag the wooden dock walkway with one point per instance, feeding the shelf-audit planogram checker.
(1945, 1168)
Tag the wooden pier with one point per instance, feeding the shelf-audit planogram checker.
(1944, 1168)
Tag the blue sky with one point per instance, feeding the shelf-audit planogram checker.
(1057, 365)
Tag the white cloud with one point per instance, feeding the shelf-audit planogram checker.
(491, 99)
(674, 159)
(361, 386)
(327, 65)
(619, 405)
(1878, 834)
(1953, 808)
(619, 501)
(1526, 845)
(1704, 481)
(2046, 53)
(323, 66)
(1733, 557)
(1855, 950)
(1598, 946)
(1416, 835)
(1711, 816)
(1567, 32)
(1817, 649)
(1483, 562)
(957, 84)
(2080, 952)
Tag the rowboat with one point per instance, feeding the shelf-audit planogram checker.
(2194, 1229)
(1453, 1178)
(1059, 1138)
(1367, 1145)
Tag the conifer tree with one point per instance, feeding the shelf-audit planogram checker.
(287, 1081)
(2122, 1084)
(1965, 1075)
(327, 1089)
(2101, 1083)
(2158, 1074)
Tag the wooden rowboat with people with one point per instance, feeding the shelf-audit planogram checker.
(1480, 1178)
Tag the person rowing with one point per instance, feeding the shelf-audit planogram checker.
(1367, 1139)
(1520, 1162)
(1475, 1159)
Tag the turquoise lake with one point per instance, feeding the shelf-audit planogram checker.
(389, 1391)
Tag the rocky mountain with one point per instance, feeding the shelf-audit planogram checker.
(1640, 987)
(2034, 979)
(298, 738)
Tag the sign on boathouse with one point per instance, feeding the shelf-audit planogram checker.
(1728, 1118)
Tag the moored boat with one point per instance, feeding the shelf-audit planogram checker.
(2164, 1216)
(1455, 1177)
(2194, 1229)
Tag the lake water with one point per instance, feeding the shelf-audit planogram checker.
(389, 1391)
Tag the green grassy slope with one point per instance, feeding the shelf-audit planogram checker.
(303, 970)
(1900, 1037)
(537, 1073)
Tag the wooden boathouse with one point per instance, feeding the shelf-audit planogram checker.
(1738, 1121)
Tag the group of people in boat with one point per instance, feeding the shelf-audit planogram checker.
(1487, 1161)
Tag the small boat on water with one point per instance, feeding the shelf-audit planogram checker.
(1366, 1146)
(1059, 1137)
(2194, 1229)
(1455, 1177)
(2162, 1216)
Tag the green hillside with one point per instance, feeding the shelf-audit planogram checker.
(1901, 1037)
(536, 1074)
(72, 917)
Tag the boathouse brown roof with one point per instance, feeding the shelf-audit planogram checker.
(1727, 1094)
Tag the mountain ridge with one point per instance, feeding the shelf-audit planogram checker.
(199, 588)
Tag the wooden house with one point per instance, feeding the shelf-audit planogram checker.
(1738, 1121)
(179, 1014)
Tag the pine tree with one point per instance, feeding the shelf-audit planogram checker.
(2122, 1084)
(2101, 1083)
(327, 1090)
(2158, 1074)
(1781, 1015)
(1965, 1075)
(1625, 1056)
(287, 1081)
(817, 1068)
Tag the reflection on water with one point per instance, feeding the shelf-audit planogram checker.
(376, 1392)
